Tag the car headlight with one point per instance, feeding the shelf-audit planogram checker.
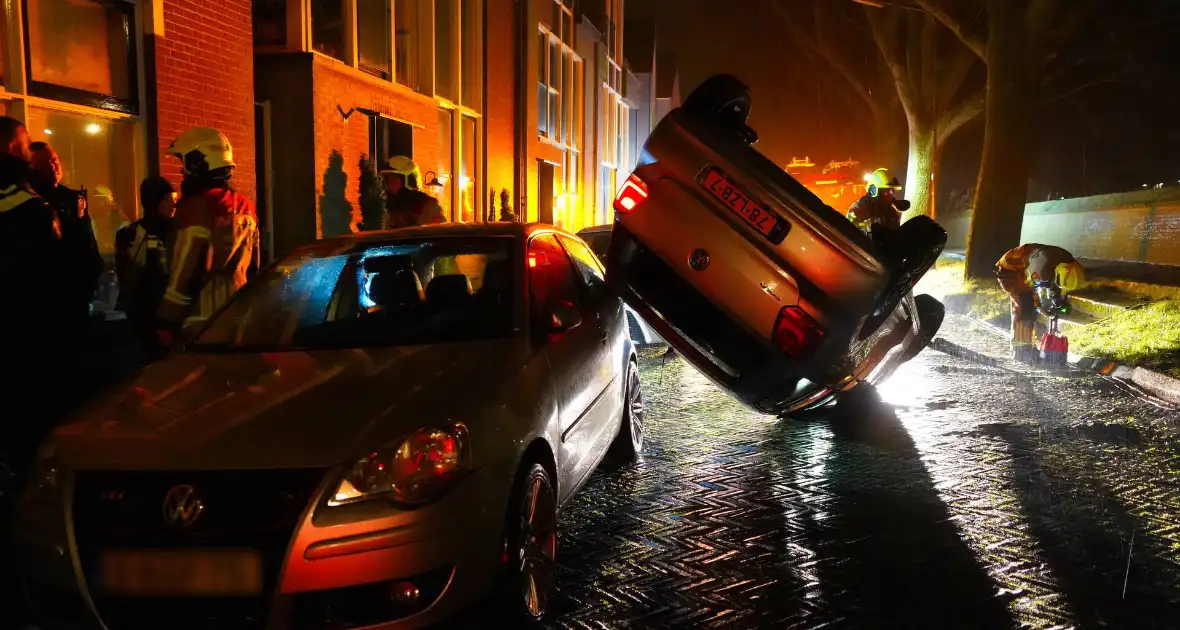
(415, 471)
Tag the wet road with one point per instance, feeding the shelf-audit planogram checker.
(970, 492)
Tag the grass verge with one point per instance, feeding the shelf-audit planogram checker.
(1147, 336)
(979, 298)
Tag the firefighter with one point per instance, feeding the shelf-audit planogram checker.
(216, 245)
(405, 204)
(1036, 277)
(141, 260)
(880, 204)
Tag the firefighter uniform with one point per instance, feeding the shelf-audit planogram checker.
(877, 205)
(216, 246)
(406, 205)
(1020, 271)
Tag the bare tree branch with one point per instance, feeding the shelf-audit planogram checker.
(963, 112)
(930, 62)
(883, 34)
(939, 10)
(955, 69)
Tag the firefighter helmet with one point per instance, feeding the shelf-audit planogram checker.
(404, 166)
(879, 180)
(1070, 276)
(201, 150)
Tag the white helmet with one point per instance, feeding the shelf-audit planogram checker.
(202, 149)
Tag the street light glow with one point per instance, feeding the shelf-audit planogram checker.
(93, 129)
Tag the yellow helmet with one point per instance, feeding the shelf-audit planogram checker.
(879, 180)
(404, 166)
(1070, 276)
(202, 149)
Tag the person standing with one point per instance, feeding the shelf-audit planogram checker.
(879, 205)
(81, 264)
(405, 205)
(217, 241)
(141, 261)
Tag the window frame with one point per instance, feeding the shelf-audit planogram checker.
(86, 98)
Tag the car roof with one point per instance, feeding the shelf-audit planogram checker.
(498, 228)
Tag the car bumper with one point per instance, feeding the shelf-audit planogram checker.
(334, 574)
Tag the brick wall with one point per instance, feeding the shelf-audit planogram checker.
(205, 77)
(501, 98)
(334, 84)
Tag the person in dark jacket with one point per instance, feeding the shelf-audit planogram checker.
(30, 235)
(142, 261)
(81, 264)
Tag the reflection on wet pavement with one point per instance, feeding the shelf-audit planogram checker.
(965, 493)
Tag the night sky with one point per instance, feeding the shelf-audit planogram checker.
(1121, 133)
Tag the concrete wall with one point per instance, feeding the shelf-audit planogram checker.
(1142, 226)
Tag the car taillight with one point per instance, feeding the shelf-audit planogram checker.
(633, 193)
(796, 333)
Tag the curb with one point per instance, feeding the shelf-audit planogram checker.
(1159, 385)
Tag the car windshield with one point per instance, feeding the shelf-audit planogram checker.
(405, 292)
(599, 243)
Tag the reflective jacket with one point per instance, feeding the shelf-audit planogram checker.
(142, 264)
(1029, 264)
(411, 207)
(216, 249)
(869, 210)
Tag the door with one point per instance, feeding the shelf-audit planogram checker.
(545, 191)
(607, 311)
(573, 355)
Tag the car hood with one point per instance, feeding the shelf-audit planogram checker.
(280, 410)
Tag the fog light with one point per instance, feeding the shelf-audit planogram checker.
(405, 594)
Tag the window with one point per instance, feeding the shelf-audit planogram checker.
(96, 156)
(83, 52)
(444, 50)
(589, 268)
(374, 48)
(446, 167)
(405, 16)
(552, 277)
(542, 85)
(388, 137)
(327, 27)
(472, 50)
(408, 292)
(468, 181)
(270, 22)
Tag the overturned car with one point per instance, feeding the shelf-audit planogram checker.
(776, 297)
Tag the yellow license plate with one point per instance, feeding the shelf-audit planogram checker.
(221, 572)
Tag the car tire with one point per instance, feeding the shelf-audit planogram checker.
(723, 99)
(913, 250)
(628, 443)
(528, 583)
(931, 313)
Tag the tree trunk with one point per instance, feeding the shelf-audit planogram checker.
(923, 162)
(1008, 139)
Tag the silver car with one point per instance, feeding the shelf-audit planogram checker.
(598, 238)
(377, 432)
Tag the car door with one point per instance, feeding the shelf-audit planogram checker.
(573, 355)
(608, 312)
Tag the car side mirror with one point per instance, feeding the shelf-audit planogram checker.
(562, 316)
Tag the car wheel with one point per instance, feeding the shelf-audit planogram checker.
(530, 549)
(931, 312)
(916, 245)
(628, 442)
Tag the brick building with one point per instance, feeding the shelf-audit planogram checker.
(522, 96)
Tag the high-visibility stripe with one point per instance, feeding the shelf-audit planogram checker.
(12, 197)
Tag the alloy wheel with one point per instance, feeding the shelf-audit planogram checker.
(537, 544)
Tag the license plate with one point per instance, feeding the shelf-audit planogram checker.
(734, 198)
(222, 572)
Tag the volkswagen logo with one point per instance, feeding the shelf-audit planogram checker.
(183, 506)
(699, 260)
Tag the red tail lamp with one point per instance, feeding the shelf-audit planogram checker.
(632, 194)
(796, 333)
